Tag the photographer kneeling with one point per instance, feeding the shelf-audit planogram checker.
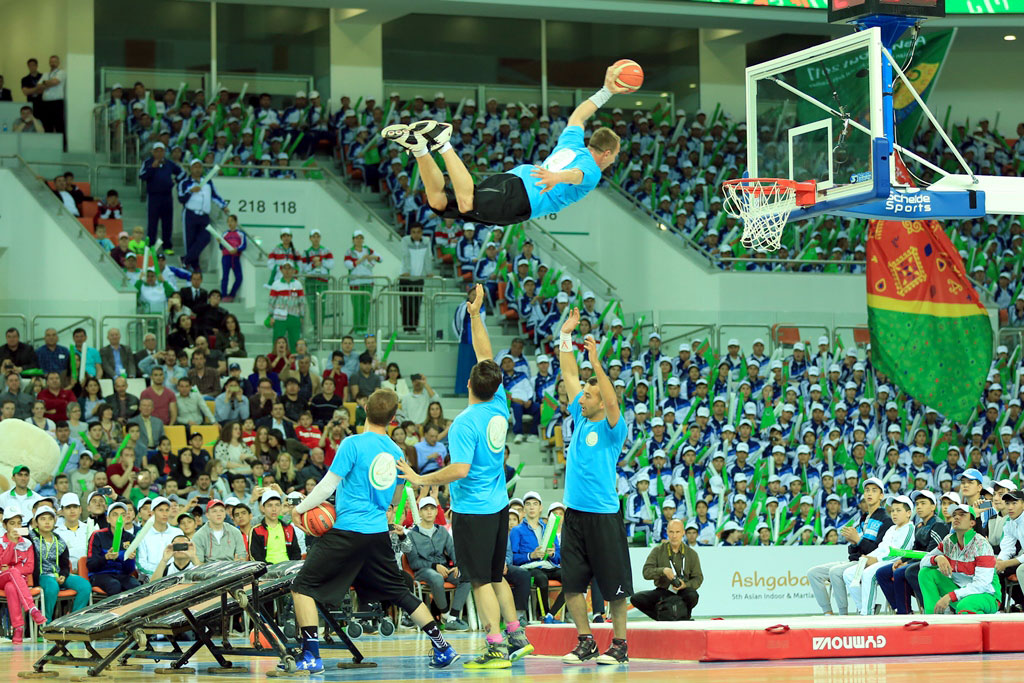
(675, 569)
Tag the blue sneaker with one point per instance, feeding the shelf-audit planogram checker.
(442, 658)
(550, 619)
(309, 663)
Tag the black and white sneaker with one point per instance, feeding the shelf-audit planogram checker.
(434, 132)
(402, 135)
(616, 654)
(585, 650)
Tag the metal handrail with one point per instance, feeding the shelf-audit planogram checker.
(26, 332)
(352, 196)
(431, 315)
(852, 328)
(710, 330)
(767, 328)
(78, 319)
(319, 320)
(557, 244)
(140, 319)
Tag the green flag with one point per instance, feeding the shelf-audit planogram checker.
(929, 330)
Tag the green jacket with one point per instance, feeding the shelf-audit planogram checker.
(661, 556)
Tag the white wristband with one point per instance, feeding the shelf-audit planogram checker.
(565, 342)
(601, 97)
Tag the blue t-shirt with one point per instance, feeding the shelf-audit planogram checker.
(366, 464)
(571, 152)
(590, 463)
(477, 437)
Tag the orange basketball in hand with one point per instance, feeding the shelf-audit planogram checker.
(628, 75)
(319, 520)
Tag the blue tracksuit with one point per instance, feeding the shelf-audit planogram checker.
(160, 182)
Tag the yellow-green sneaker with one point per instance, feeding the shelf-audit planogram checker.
(494, 657)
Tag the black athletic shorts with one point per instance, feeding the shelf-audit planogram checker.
(345, 559)
(480, 543)
(498, 199)
(594, 546)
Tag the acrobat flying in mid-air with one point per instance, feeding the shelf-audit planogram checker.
(571, 171)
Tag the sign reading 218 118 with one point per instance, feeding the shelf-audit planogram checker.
(262, 206)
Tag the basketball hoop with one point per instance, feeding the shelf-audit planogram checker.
(764, 205)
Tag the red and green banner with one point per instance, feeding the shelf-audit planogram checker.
(929, 331)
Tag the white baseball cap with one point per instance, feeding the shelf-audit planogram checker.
(426, 500)
(70, 498)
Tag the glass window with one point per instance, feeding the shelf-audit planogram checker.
(161, 35)
(577, 51)
(273, 40)
(430, 48)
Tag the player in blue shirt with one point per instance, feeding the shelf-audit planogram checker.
(476, 442)
(571, 170)
(593, 533)
(357, 550)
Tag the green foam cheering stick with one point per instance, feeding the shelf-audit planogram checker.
(400, 510)
(511, 485)
(118, 531)
(551, 532)
(907, 554)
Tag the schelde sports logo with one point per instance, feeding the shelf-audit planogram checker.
(592, 439)
(497, 427)
(876, 642)
(383, 471)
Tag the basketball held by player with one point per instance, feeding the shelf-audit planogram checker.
(356, 551)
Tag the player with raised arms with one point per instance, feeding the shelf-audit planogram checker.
(476, 442)
(357, 551)
(527, 191)
(593, 534)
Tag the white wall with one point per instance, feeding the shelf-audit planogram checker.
(653, 270)
(43, 269)
(303, 205)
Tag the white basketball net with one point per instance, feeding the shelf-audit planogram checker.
(764, 207)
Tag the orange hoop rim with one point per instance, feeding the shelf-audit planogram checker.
(804, 191)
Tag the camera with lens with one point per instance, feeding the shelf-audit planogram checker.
(677, 583)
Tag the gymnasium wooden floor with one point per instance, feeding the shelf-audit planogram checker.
(403, 657)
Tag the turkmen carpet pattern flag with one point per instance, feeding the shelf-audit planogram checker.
(929, 331)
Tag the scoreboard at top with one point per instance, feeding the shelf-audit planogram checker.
(844, 10)
(905, 7)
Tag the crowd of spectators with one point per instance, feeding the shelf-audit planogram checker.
(251, 447)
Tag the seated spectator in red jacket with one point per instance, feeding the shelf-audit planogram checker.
(56, 398)
(111, 206)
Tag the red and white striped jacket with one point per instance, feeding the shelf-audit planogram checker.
(973, 563)
(287, 298)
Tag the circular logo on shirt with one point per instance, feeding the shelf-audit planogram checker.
(383, 471)
(592, 439)
(497, 427)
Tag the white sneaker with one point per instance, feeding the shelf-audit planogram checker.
(518, 439)
(434, 132)
(531, 438)
(402, 135)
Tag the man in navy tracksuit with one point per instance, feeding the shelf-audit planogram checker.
(198, 200)
(160, 175)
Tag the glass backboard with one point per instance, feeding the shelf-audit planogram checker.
(818, 113)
